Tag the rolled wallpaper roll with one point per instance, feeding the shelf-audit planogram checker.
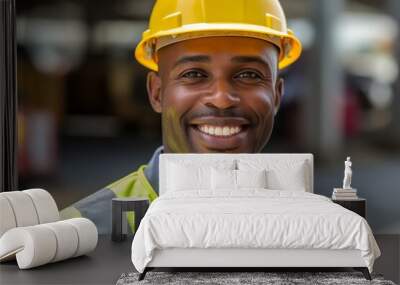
(32, 246)
(40, 244)
(7, 218)
(23, 208)
(46, 207)
(26, 208)
(87, 234)
(67, 240)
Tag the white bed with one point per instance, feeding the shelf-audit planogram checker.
(248, 227)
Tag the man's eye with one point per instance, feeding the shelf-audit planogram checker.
(248, 75)
(194, 74)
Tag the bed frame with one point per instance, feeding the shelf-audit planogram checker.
(260, 259)
(250, 259)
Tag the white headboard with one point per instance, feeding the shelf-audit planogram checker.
(210, 157)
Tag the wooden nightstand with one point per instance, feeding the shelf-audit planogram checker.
(358, 206)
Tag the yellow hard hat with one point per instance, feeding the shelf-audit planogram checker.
(177, 20)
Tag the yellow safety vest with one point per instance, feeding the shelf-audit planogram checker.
(133, 185)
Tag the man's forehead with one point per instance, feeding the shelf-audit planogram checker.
(205, 49)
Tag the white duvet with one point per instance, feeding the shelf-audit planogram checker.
(253, 218)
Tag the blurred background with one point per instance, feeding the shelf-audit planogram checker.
(84, 118)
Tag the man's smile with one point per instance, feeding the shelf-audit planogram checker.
(219, 133)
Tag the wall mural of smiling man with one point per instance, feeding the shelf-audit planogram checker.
(214, 78)
(216, 94)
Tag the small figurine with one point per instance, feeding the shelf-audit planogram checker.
(348, 173)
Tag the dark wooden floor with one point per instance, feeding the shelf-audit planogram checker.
(389, 262)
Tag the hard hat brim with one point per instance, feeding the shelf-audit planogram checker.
(290, 48)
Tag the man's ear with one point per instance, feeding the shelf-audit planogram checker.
(154, 91)
(279, 90)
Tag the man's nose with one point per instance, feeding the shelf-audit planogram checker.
(222, 95)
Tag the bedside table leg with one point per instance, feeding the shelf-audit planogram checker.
(117, 222)
(140, 211)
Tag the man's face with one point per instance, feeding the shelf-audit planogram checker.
(216, 94)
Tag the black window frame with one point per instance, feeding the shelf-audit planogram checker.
(8, 97)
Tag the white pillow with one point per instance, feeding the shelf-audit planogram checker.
(223, 179)
(182, 177)
(185, 174)
(281, 175)
(251, 178)
(278, 180)
(227, 179)
(293, 179)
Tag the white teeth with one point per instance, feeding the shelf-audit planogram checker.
(222, 131)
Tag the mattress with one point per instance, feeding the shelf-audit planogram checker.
(250, 219)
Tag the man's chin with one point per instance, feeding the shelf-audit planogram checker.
(203, 149)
